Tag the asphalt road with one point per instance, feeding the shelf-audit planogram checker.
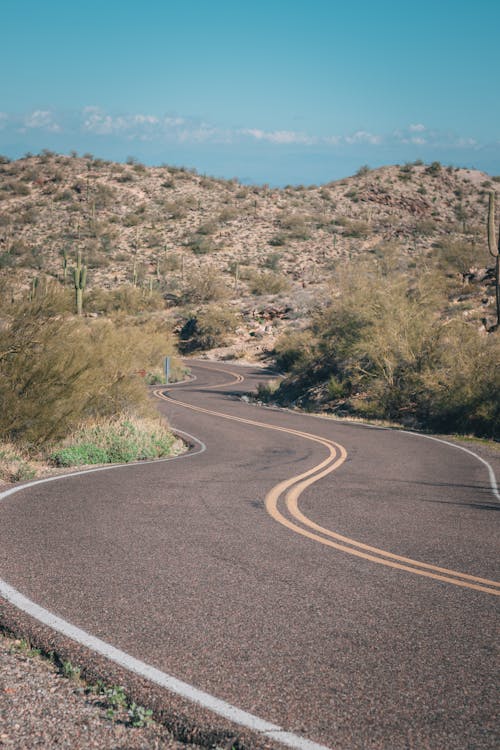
(340, 584)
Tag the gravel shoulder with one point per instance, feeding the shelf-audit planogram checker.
(40, 707)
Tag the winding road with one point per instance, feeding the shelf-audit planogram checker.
(305, 582)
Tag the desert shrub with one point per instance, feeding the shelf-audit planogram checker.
(124, 299)
(15, 188)
(15, 465)
(6, 260)
(458, 256)
(170, 262)
(56, 371)
(425, 227)
(278, 240)
(293, 348)
(103, 196)
(175, 209)
(363, 170)
(359, 229)
(227, 214)
(133, 219)
(209, 328)
(115, 440)
(266, 391)
(434, 169)
(201, 244)
(28, 216)
(383, 348)
(209, 227)
(268, 282)
(272, 261)
(295, 226)
(205, 285)
(126, 176)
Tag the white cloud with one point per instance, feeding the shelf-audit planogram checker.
(466, 142)
(43, 119)
(173, 128)
(361, 136)
(173, 121)
(279, 136)
(332, 140)
(97, 121)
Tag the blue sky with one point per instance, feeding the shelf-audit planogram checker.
(291, 91)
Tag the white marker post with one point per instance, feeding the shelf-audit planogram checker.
(167, 369)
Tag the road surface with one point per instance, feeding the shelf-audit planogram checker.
(334, 581)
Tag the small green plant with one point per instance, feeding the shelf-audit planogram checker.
(24, 647)
(139, 716)
(334, 388)
(115, 695)
(70, 671)
(118, 440)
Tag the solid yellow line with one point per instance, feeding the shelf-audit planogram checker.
(271, 506)
(292, 505)
(302, 481)
(237, 377)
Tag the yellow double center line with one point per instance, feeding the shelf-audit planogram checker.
(289, 491)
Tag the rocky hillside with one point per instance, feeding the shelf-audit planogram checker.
(269, 253)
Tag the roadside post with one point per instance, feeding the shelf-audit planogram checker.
(167, 369)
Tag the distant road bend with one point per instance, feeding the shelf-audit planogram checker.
(322, 584)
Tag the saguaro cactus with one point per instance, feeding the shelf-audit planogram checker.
(80, 282)
(494, 248)
(64, 265)
(34, 288)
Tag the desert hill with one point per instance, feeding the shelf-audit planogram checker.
(186, 239)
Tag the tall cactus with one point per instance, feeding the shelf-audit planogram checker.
(494, 249)
(34, 288)
(64, 265)
(80, 282)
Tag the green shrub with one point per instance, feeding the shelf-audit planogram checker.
(208, 328)
(292, 348)
(118, 440)
(76, 455)
(83, 368)
(383, 349)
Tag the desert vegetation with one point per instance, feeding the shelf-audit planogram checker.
(376, 294)
(67, 380)
(387, 345)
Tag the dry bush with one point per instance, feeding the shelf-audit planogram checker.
(205, 285)
(381, 349)
(56, 371)
(208, 328)
(295, 225)
(124, 299)
(459, 256)
(268, 282)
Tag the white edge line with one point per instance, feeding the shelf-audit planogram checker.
(156, 676)
(174, 685)
(188, 454)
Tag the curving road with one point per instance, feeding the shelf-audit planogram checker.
(334, 582)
